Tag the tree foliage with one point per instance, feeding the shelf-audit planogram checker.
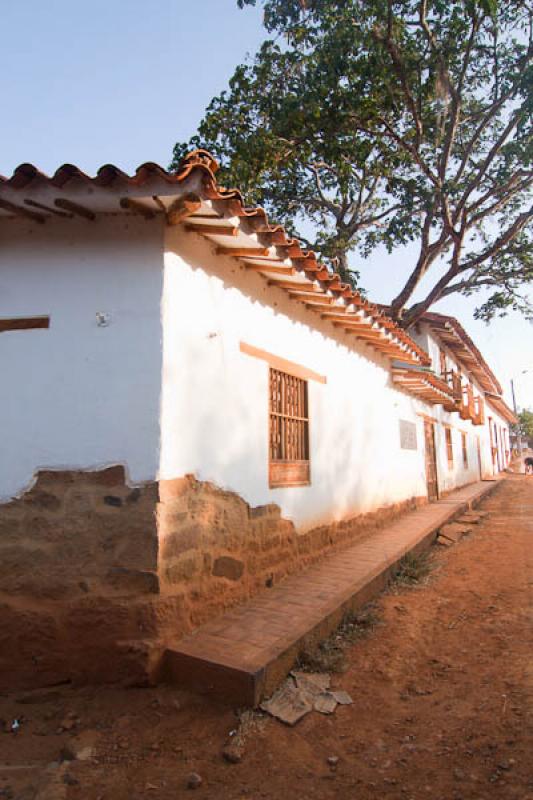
(525, 424)
(387, 121)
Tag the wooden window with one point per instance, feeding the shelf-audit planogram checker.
(465, 450)
(289, 430)
(449, 446)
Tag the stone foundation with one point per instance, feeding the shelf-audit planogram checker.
(97, 577)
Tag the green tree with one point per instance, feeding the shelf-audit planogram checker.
(367, 121)
(525, 425)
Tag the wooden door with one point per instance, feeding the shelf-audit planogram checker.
(431, 461)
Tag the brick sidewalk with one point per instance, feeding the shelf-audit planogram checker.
(244, 654)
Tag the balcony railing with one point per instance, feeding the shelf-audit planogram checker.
(464, 401)
(454, 382)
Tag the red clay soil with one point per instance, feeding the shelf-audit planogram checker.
(442, 706)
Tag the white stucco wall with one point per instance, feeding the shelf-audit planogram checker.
(215, 398)
(78, 395)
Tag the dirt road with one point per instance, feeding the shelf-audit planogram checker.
(442, 691)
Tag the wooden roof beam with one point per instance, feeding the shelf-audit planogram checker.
(216, 230)
(309, 288)
(370, 335)
(49, 209)
(337, 316)
(183, 207)
(317, 301)
(270, 268)
(75, 208)
(244, 252)
(20, 211)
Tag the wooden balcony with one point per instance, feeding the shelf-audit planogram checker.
(454, 382)
(464, 401)
(423, 383)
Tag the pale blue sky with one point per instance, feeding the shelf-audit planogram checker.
(116, 81)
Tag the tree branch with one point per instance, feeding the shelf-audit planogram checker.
(507, 236)
(399, 68)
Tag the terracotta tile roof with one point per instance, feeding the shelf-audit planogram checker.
(317, 288)
(501, 407)
(454, 336)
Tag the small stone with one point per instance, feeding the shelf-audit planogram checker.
(70, 780)
(232, 753)
(85, 753)
(67, 754)
(333, 761)
(228, 567)
(194, 781)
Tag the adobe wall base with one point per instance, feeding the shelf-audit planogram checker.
(96, 577)
(217, 551)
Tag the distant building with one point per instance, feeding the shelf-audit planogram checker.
(192, 408)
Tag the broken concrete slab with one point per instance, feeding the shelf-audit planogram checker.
(325, 703)
(342, 697)
(454, 531)
(472, 517)
(289, 704)
(312, 682)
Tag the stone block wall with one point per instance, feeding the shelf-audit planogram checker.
(97, 577)
(78, 564)
(215, 550)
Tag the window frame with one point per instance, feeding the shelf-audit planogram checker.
(449, 446)
(293, 396)
(464, 446)
(277, 476)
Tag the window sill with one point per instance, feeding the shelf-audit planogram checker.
(287, 474)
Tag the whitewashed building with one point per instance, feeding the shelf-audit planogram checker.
(193, 407)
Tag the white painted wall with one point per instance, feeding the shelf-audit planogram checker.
(79, 395)
(215, 398)
(82, 396)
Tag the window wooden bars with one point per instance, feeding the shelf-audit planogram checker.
(449, 447)
(289, 430)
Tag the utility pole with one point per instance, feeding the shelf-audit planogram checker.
(518, 435)
(515, 409)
